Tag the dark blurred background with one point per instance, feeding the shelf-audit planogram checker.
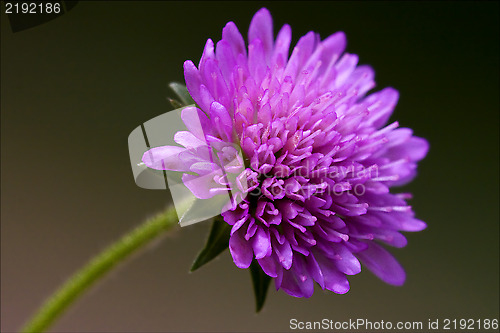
(73, 89)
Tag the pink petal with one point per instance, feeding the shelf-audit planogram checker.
(188, 139)
(165, 158)
(257, 60)
(241, 251)
(215, 82)
(226, 59)
(296, 281)
(205, 98)
(362, 79)
(261, 243)
(204, 186)
(221, 120)
(261, 27)
(269, 266)
(284, 253)
(300, 55)
(381, 105)
(193, 80)
(345, 261)
(231, 34)
(196, 122)
(208, 54)
(344, 68)
(382, 264)
(315, 271)
(415, 149)
(334, 45)
(401, 221)
(334, 280)
(282, 47)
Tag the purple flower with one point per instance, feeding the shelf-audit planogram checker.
(313, 188)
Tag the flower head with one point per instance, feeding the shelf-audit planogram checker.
(311, 194)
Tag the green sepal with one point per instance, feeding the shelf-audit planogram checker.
(218, 241)
(181, 91)
(260, 281)
(175, 103)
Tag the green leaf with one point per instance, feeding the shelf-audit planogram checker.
(218, 241)
(182, 92)
(260, 282)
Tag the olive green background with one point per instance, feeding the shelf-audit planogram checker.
(73, 89)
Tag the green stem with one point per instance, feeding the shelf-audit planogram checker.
(97, 267)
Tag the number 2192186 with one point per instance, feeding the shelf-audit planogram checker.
(32, 8)
(470, 324)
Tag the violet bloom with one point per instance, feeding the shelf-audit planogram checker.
(318, 157)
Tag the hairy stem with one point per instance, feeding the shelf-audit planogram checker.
(97, 268)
